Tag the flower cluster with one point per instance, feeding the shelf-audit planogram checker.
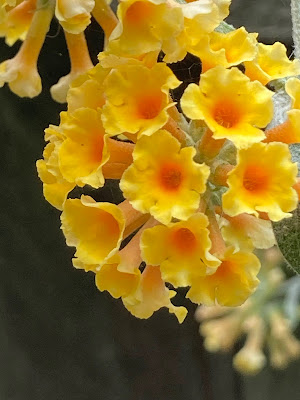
(267, 319)
(201, 186)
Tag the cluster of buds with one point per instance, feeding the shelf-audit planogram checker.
(201, 179)
(267, 319)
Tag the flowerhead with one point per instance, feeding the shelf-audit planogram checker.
(137, 98)
(84, 149)
(75, 15)
(236, 111)
(86, 224)
(271, 62)
(232, 283)
(182, 249)
(163, 179)
(262, 181)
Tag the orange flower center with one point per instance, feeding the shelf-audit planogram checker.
(255, 179)
(184, 240)
(226, 114)
(139, 13)
(149, 106)
(170, 176)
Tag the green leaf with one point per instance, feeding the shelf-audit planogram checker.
(287, 233)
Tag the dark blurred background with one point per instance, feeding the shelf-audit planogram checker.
(61, 338)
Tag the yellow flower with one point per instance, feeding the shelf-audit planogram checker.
(17, 21)
(151, 295)
(21, 72)
(262, 181)
(120, 276)
(84, 150)
(232, 283)
(226, 49)
(55, 187)
(182, 250)
(235, 111)
(145, 26)
(202, 23)
(95, 229)
(271, 63)
(74, 16)
(22, 77)
(163, 179)
(87, 90)
(117, 282)
(246, 232)
(137, 98)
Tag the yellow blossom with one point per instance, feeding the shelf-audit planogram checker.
(226, 49)
(21, 72)
(246, 232)
(87, 90)
(120, 276)
(271, 63)
(262, 181)
(17, 21)
(232, 283)
(151, 295)
(154, 22)
(84, 150)
(95, 229)
(197, 23)
(74, 16)
(117, 283)
(137, 98)
(182, 250)
(163, 179)
(55, 187)
(235, 111)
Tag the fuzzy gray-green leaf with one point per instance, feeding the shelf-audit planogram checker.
(287, 233)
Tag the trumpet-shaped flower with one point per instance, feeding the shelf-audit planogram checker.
(197, 23)
(232, 283)
(137, 98)
(226, 49)
(21, 72)
(17, 21)
(75, 15)
(117, 282)
(246, 232)
(22, 77)
(151, 295)
(87, 90)
(262, 181)
(271, 63)
(84, 150)
(182, 250)
(95, 229)
(55, 187)
(163, 179)
(235, 111)
(154, 22)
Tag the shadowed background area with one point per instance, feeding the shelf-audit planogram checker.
(61, 338)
